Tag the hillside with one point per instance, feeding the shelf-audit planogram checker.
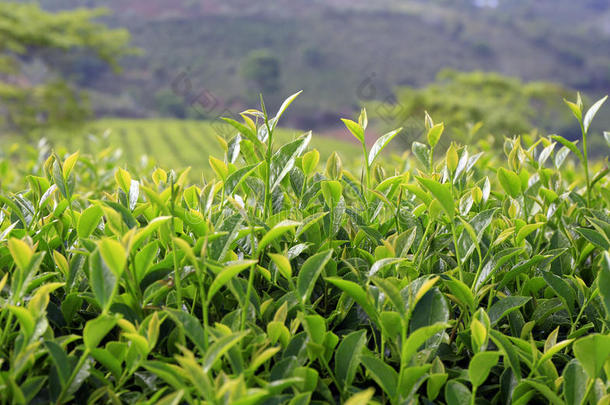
(340, 52)
(142, 144)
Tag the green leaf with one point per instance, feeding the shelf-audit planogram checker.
(391, 323)
(229, 270)
(591, 113)
(219, 167)
(592, 352)
(25, 318)
(123, 179)
(357, 293)
(192, 326)
(434, 134)
(361, 398)
(220, 347)
(508, 350)
(380, 144)
(278, 230)
(442, 192)
(575, 109)
(148, 230)
(193, 219)
(422, 153)
(435, 382)
(310, 161)
(89, 220)
(457, 393)
(431, 308)
(61, 361)
(603, 282)
(480, 366)
(69, 164)
(103, 281)
(574, 383)
(418, 338)
(106, 358)
(526, 230)
(283, 160)
(505, 306)
(594, 237)
(383, 263)
(347, 357)
(309, 273)
(384, 375)
(283, 264)
(355, 129)
(114, 255)
(461, 292)
(21, 252)
(570, 145)
(550, 396)
(315, 326)
(510, 182)
(283, 108)
(562, 289)
(392, 292)
(244, 130)
(96, 329)
(332, 191)
(303, 398)
(235, 179)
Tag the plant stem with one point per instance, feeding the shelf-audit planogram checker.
(586, 163)
(244, 313)
(366, 165)
(75, 372)
(457, 251)
(267, 162)
(587, 391)
(177, 281)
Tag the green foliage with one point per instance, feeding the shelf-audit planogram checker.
(262, 70)
(482, 103)
(463, 279)
(29, 33)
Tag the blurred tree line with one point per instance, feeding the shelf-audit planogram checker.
(34, 89)
(481, 103)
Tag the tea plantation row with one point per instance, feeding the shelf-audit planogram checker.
(455, 276)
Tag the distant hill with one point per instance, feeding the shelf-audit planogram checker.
(339, 51)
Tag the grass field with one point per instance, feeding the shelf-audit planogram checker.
(169, 142)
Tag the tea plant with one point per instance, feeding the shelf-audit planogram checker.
(462, 279)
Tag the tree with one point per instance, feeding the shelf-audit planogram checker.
(490, 102)
(261, 69)
(169, 104)
(31, 36)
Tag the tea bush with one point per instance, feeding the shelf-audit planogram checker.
(464, 278)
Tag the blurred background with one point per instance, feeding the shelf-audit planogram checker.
(159, 73)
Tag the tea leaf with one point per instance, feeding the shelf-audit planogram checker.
(347, 357)
(380, 144)
(309, 273)
(96, 329)
(592, 352)
(219, 348)
(89, 220)
(442, 192)
(384, 375)
(480, 366)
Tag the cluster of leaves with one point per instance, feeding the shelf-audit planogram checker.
(469, 279)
